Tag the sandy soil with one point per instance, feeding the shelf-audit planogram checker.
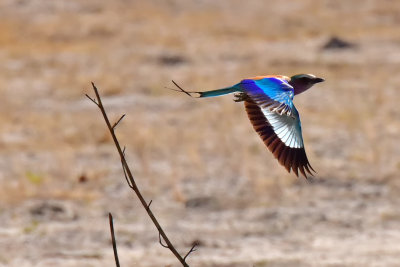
(210, 177)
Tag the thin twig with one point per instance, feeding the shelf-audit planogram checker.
(126, 176)
(120, 119)
(91, 99)
(193, 249)
(114, 243)
(129, 177)
(148, 205)
(160, 241)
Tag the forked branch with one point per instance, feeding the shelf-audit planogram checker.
(132, 184)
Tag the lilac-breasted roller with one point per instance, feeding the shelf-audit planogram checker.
(268, 101)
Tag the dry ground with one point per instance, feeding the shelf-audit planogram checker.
(209, 176)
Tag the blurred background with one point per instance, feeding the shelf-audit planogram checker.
(210, 177)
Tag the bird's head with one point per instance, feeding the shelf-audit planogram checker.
(302, 82)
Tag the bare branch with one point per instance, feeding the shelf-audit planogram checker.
(120, 119)
(148, 205)
(193, 249)
(91, 99)
(160, 241)
(131, 181)
(123, 168)
(114, 243)
(126, 176)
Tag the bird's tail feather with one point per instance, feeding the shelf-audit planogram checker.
(218, 92)
(212, 93)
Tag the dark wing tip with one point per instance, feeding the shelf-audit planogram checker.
(302, 163)
(293, 159)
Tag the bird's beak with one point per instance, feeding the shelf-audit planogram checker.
(319, 80)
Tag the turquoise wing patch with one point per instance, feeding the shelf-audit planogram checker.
(270, 93)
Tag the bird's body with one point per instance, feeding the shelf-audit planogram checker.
(269, 105)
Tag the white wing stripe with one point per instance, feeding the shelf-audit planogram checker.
(285, 128)
(287, 136)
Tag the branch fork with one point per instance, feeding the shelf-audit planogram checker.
(163, 238)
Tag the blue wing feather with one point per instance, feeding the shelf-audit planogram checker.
(270, 92)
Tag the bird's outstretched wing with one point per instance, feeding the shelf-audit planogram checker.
(271, 93)
(280, 131)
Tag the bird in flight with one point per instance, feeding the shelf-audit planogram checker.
(268, 101)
